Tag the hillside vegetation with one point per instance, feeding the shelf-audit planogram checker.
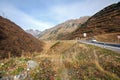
(103, 22)
(110, 37)
(14, 41)
(68, 60)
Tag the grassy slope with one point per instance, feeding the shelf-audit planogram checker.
(111, 37)
(69, 60)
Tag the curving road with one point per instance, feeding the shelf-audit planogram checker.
(113, 47)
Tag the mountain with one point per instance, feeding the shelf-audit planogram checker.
(106, 21)
(59, 31)
(14, 40)
(33, 32)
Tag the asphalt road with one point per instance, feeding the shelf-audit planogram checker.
(113, 47)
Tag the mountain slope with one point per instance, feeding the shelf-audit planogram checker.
(33, 32)
(105, 21)
(59, 31)
(14, 40)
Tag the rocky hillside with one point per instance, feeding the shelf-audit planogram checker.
(33, 32)
(103, 22)
(14, 40)
(59, 31)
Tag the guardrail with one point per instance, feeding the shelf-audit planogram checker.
(108, 44)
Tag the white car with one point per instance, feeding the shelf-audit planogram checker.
(93, 40)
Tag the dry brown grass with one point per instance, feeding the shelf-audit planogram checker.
(103, 70)
(67, 54)
(75, 61)
(111, 37)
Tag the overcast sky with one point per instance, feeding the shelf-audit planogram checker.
(44, 14)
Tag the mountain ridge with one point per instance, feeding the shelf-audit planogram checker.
(35, 33)
(60, 30)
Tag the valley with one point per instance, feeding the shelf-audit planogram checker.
(77, 49)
